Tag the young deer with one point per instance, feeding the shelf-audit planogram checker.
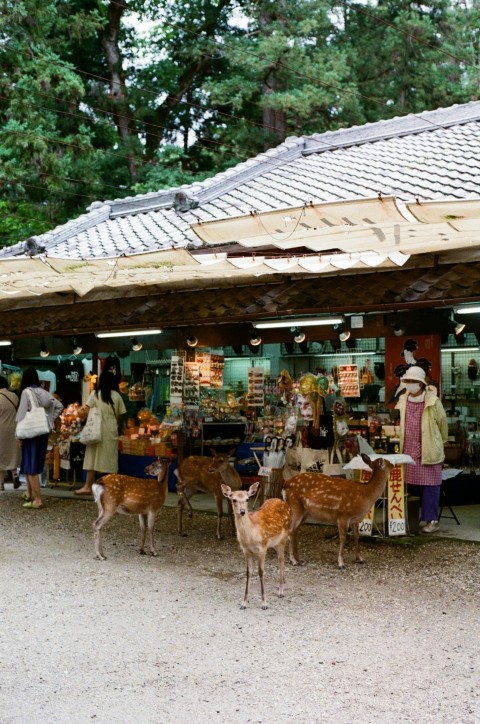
(200, 474)
(133, 496)
(333, 500)
(265, 528)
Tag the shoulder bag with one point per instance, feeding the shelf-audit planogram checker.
(92, 431)
(35, 422)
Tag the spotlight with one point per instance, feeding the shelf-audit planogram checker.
(43, 350)
(298, 335)
(457, 326)
(398, 330)
(77, 349)
(192, 341)
(136, 345)
(255, 339)
(343, 334)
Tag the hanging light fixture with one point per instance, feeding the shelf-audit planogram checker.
(192, 341)
(44, 352)
(255, 339)
(343, 334)
(458, 326)
(136, 345)
(298, 335)
(77, 349)
(303, 322)
(5, 343)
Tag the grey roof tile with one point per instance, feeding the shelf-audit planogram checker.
(428, 155)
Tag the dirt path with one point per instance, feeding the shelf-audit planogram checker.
(163, 641)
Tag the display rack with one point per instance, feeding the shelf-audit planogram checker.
(221, 435)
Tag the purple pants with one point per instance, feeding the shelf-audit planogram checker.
(429, 500)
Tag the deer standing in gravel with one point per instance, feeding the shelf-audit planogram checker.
(133, 496)
(331, 500)
(201, 474)
(265, 528)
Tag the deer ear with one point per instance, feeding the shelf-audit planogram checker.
(253, 488)
(366, 459)
(226, 490)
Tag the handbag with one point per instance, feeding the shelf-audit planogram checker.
(35, 422)
(92, 431)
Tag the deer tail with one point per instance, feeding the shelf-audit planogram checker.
(98, 490)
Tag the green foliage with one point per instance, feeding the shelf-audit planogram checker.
(100, 101)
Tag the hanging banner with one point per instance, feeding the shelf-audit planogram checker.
(407, 351)
(396, 501)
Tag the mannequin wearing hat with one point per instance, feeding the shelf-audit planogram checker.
(423, 433)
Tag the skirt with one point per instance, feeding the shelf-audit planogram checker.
(34, 452)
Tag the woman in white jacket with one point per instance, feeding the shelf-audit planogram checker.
(423, 433)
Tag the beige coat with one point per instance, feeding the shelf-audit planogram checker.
(434, 428)
(9, 450)
(103, 457)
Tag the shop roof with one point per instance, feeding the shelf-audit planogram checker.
(398, 196)
(424, 156)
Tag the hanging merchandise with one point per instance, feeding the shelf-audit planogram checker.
(348, 380)
(177, 376)
(112, 364)
(367, 375)
(70, 374)
(256, 387)
(472, 370)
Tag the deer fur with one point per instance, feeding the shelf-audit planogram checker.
(331, 500)
(115, 493)
(265, 528)
(201, 474)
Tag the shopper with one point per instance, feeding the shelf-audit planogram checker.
(102, 457)
(34, 449)
(423, 433)
(9, 450)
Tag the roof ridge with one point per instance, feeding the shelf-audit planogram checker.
(398, 126)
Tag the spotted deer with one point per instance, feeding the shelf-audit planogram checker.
(331, 500)
(115, 493)
(265, 528)
(201, 474)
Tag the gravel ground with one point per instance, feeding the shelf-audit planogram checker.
(162, 640)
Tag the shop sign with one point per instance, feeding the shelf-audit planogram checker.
(395, 503)
(349, 380)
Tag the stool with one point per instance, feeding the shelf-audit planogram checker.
(445, 504)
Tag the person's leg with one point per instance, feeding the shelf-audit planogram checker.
(35, 490)
(430, 506)
(2, 479)
(87, 488)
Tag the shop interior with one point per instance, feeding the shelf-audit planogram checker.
(194, 398)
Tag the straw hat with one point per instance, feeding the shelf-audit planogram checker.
(415, 373)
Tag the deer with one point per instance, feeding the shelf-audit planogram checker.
(331, 500)
(132, 496)
(199, 473)
(267, 527)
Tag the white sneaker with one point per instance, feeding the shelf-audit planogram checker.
(422, 524)
(431, 527)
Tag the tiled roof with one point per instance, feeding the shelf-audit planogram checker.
(430, 155)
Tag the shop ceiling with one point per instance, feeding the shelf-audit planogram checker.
(370, 257)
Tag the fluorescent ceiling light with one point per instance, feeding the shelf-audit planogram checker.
(135, 333)
(347, 354)
(474, 309)
(5, 343)
(459, 349)
(312, 322)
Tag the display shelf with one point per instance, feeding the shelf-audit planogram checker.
(221, 435)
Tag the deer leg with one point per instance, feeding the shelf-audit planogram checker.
(342, 534)
(356, 540)
(249, 562)
(281, 568)
(219, 502)
(184, 500)
(97, 527)
(261, 572)
(142, 519)
(298, 516)
(151, 526)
